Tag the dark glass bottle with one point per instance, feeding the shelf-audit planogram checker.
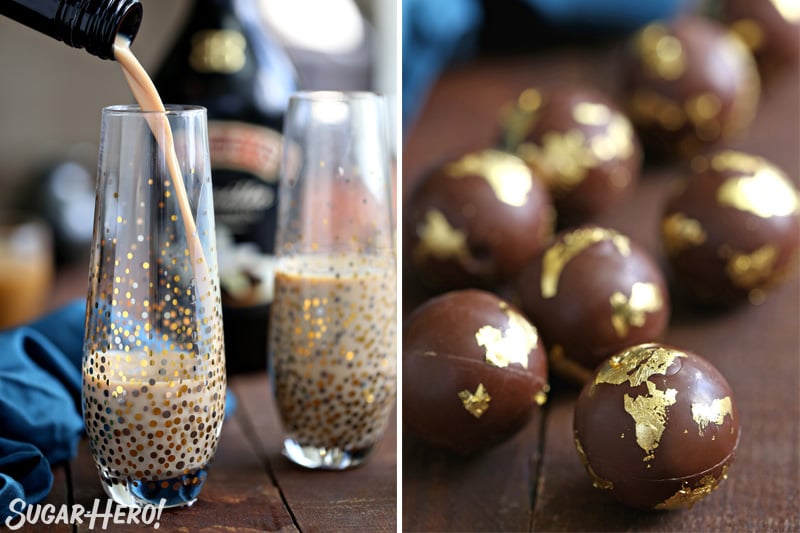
(224, 60)
(89, 24)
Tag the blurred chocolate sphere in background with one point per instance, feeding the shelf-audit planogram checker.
(769, 28)
(690, 84)
(579, 142)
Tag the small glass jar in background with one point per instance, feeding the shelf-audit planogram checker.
(26, 267)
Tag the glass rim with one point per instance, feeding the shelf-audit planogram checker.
(169, 109)
(336, 96)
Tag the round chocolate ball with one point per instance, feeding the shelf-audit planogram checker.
(656, 427)
(476, 221)
(473, 371)
(732, 229)
(591, 293)
(769, 28)
(690, 83)
(580, 143)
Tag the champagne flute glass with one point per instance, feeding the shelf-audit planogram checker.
(154, 382)
(332, 341)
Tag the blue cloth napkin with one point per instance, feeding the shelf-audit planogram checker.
(437, 32)
(40, 402)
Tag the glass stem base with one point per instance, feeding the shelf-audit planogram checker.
(180, 491)
(323, 458)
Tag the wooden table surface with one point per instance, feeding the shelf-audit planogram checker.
(535, 481)
(252, 487)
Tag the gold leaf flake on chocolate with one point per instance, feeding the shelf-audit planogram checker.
(750, 32)
(788, 9)
(661, 52)
(737, 161)
(650, 412)
(507, 175)
(616, 142)
(649, 107)
(753, 269)
(632, 311)
(511, 345)
(518, 120)
(712, 413)
(438, 238)
(681, 232)
(563, 158)
(597, 481)
(529, 100)
(620, 132)
(765, 194)
(703, 108)
(560, 254)
(636, 365)
(475, 403)
(591, 114)
(540, 398)
(687, 496)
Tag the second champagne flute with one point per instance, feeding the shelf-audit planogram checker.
(332, 344)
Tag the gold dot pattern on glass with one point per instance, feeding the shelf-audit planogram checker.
(147, 428)
(333, 348)
(154, 362)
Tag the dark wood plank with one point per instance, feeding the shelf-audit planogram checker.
(756, 348)
(361, 499)
(489, 491)
(238, 495)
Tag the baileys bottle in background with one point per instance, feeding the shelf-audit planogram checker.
(225, 60)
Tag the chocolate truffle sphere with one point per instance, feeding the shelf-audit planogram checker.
(473, 371)
(656, 427)
(591, 293)
(580, 143)
(691, 83)
(732, 230)
(476, 221)
(769, 28)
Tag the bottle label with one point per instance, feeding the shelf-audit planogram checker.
(244, 162)
(246, 148)
(220, 51)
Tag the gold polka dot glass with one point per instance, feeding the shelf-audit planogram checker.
(332, 342)
(153, 361)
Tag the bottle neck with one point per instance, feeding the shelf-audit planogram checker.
(89, 24)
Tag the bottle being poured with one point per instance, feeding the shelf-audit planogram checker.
(106, 29)
(146, 95)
